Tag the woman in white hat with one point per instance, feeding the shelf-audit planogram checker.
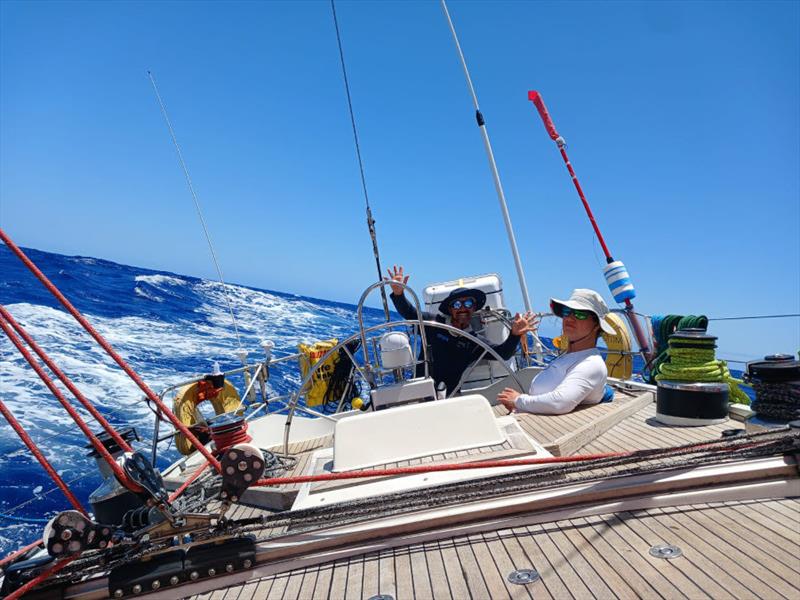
(578, 376)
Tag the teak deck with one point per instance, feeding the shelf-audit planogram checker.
(729, 550)
(746, 549)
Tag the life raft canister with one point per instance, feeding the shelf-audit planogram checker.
(224, 399)
(309, 356)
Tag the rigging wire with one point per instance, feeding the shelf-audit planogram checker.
(370, 220)
(41, 495)
(791, 315)
(197, 207)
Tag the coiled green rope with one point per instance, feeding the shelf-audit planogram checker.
(663, 327)
(699, 363)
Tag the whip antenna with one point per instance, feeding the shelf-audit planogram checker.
(495, 175)
(197, 206)
(370, 220)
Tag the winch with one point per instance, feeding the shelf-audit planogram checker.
(776, 382)
(687, 402)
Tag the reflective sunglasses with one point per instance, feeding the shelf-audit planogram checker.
(564, 311)
(468, 303)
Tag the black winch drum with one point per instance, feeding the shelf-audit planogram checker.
(689, 403)
(775, 369)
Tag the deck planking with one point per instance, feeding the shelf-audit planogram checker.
(725, 555)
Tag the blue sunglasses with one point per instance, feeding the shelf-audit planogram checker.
(468, 303)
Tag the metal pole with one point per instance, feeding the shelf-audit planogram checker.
(498, 186)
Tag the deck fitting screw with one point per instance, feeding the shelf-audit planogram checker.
(665, 551)
(156, 584)
(247, 563)
(523, 576)
(194, 575)
(382, 597)
(137, 588)
(212, 572)
(118, 593)
(174, 580)
(229, 568)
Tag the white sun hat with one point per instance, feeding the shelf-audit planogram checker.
(583, 299)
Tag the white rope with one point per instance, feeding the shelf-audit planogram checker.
(197, 206)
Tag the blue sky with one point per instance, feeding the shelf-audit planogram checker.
(681, 119)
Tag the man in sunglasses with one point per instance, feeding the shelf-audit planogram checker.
(579, 375)
(452, 354)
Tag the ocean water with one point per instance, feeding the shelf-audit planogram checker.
(168, 327)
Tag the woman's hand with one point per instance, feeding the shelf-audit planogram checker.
(508, 398)
(396, 274)
(524, 323)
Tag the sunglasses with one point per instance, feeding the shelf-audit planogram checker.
(565, 311)
(468, 303)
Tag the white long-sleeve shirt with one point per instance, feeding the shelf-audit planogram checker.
(571, 379)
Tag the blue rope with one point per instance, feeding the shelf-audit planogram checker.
(24, 519)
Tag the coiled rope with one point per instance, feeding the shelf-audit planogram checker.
(698, 363)
(777, 400)
(663, 327)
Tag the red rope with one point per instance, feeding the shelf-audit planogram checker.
(41, 458)
(41, 577)
(188, 482)
(19, 552)
(111, 352)
(67, 382)
(489, 464)
(118, 472)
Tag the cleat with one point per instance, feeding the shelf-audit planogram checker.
(242, 466)
(69, 532)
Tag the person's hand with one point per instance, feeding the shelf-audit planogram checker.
(396, 274)
(524, 323)
(508, 398)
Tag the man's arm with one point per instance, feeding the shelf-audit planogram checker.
(577, 385)
(507, 348)
(404, 307)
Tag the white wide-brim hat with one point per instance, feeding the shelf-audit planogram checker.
(583, 299)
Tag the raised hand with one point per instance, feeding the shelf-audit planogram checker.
(396, 274)
(522, 324)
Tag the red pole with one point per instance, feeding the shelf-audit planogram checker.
(111, 352)
(117, 470)
(537, 100)
(67, 382)
(23, 435)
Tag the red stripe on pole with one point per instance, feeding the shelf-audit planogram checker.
(589, 212)
(96, 444)
(23, 435)
(67, 382)
(111, 352)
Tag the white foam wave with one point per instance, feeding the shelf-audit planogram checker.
(157, 280)
(147, 295)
